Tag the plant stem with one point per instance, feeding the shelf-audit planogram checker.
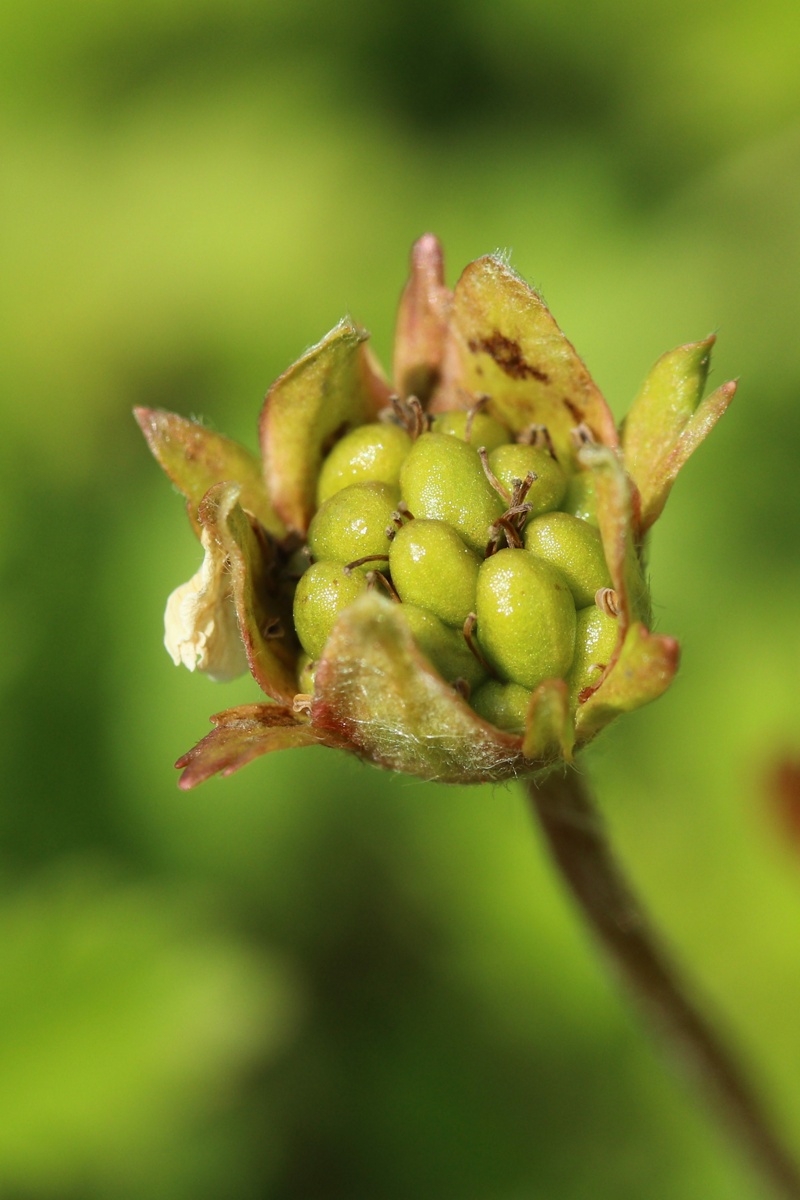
(576, 836)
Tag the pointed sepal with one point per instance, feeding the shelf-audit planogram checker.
(422, 322)
(550, 732)
(667, 422)
(240, 735)
(334, 387)
(503, 342)
(644, 669)
(375, 690)
(271, 655)
(195, 458)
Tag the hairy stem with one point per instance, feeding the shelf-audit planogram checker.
(576, 836)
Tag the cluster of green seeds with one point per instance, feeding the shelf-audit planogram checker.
(487, 543)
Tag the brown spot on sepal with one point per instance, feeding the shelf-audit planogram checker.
(576, 412)
(508, 355)
(783, 791)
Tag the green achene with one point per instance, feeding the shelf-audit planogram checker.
(445, 647)
(443, 479)
(595, 641)
(372, 453)
(483, 429)
(431, 566)
(513, 462)
(322, 593)
(575, 547)
(502, 704)
(519, 594)
(353, 524)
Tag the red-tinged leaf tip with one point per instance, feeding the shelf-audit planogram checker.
(426, 253)
(241, 735)
(422, 321)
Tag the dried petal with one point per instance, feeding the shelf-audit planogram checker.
(503, 342)
(422, 321)
(667, 422)
(195, 458)
(335, 386)
(242, 734)
(252, 583)
(643, 671)
(550, 732)
(200, 626)
(375, 690)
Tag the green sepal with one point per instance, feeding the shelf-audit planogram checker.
(503, 342)
(643, 670)
(272, 660)
(195, 458)
(667, 422)
(615, 518)
(376, 691)
(422, 321)
(335, 386)
(549, 733)
(240, 735)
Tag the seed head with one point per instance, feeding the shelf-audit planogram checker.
(443, 575)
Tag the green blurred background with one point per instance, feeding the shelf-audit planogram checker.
(314, 980)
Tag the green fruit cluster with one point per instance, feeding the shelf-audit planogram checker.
(488, 543)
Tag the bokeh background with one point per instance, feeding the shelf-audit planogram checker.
(314, 981)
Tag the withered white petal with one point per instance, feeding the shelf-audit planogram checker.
(200, 626)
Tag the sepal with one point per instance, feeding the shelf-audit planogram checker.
(335, 386)
(502, 341)
(422, 322)
(251, 578)
(240, 735)
(667, 422)
(617, 503)
(550, 732)
(644, 669)
(195, 458)
(376, 691)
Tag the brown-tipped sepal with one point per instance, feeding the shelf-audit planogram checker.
(195, 458)
(376, 691)
(667, 422)
(503, 342)
(334, 387)
(422, 322)
(240, 735)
